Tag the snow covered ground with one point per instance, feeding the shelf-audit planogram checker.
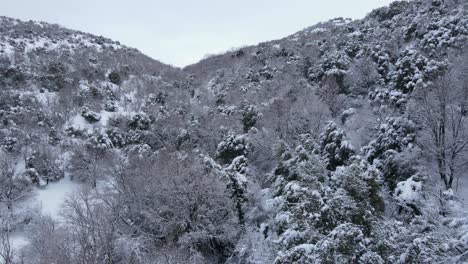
(18, 239)
(53, 195)
(49, 200)
(462, 191)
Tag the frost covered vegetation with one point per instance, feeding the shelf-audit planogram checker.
(346, 142)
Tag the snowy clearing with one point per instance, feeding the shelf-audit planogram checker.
(49, 200)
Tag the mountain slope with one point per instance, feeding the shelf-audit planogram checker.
(345, 142)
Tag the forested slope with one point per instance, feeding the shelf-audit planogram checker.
(346, 142)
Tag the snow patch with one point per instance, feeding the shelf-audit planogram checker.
(51, 197)
(18, 240)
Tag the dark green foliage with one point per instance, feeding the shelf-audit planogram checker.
(140, 121)
(335, 66)
(334, 147)
(314, 211)
(55, 78)
(396, 168)
(220, 98)
(90, 116)
(394, 134)
(74, 133)
(249, 116)
(12, 75)
(114, 77)
(409, 71)
(237, 185)
(298, 186)
(9, 144)
(110, 106)
(117, 137)
(231, 147)
(45, 164)
(161, 98)
(375, 199)
(387, 13)
(54, 137)
(32, 174)
(347, 244)
(393, 138)
(238, 53)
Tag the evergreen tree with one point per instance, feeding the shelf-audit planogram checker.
(232, 146)
(334, 147)
(237, 185)
(298, 189)
(249, 116)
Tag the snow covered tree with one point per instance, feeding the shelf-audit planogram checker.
(409, 195)
(186, 208)
(48, 242)
(110, 106)
(231, 147)
(346, 244)
(7, 253)
(91, 228)
(441, 110)
(361, 77)
(334, 147)
(394, 134)
(86, 163)
(392, 150)
(298, 189)
(333, 65)
(12, 186)
(90, 116)
(249, 116)
(354, 198)
(409, 71)
(46, 163)
(148, 130)
(311, 205)
(237, 185)
(114, 77)
(140, 121)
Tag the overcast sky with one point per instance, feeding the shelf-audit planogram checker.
(181, 32)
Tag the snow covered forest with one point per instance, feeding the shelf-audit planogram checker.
(346, 142)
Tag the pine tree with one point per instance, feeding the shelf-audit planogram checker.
(249, 116)
(236, 172)
(334, 147)
(232, 146)
(298, 189)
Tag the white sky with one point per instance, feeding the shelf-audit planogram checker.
(181, 32)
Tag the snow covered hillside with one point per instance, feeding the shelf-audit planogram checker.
(346, 142)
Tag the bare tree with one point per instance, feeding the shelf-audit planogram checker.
(441, 109)
(6, 251)
(87, 163)
(48, 242)
(173, 201)
(91, 227)
(11, 186)
(330, 92)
